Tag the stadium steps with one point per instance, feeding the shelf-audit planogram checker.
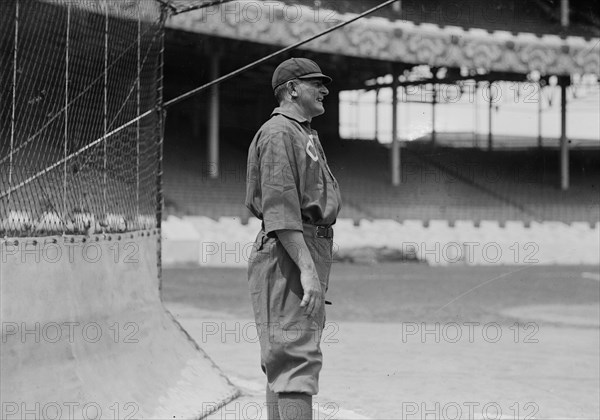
(527, 180)
(425, 192)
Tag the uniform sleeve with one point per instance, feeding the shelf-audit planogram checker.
(279, 175)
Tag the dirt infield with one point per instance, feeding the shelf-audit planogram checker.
(414, 342)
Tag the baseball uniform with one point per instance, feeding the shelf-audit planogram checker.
(289, 186)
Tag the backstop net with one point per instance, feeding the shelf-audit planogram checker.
(80, 164)
(80, 133)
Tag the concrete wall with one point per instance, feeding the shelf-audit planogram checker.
(227, 242)
(85, 335)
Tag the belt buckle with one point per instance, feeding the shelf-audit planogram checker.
(322, 232)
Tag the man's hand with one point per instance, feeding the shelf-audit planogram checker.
(313, 295)
(294, 244)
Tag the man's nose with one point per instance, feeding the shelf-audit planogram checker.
(324, 91)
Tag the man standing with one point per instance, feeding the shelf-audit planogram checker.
(292, 190)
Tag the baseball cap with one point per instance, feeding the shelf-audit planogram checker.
(297, 68)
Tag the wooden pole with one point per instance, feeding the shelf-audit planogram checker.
(540, 115)
(476, 115)
(395, 150)
(490, 138)
(433, 102)
(213, 121)
(564, 13)
(564, 143)
(377, 114)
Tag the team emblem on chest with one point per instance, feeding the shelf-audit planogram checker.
(311, 150)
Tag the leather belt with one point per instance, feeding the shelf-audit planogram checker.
(313, 230)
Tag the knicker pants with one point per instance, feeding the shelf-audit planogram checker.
(289, 339)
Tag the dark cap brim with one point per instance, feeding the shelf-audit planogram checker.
(326, 79)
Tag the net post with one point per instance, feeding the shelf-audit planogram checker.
(65, 146)
(137, 137)
(14, 99)
(160, 111)
(104, 143)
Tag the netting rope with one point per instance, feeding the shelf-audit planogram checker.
(111, 191)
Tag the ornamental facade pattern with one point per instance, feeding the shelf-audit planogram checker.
(395, 41)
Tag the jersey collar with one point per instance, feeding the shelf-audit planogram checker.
(289, 114)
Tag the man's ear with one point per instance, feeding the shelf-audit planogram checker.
(292, 89)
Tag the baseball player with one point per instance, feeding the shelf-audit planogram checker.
(292, 190)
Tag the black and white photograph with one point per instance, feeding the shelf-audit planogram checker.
(300, 210)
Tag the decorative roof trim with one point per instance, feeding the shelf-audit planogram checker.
(395, 41)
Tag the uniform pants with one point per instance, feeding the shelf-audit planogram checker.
(289, 339)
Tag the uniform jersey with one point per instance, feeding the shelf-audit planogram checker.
(289, 182)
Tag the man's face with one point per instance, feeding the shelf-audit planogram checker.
(311, 93)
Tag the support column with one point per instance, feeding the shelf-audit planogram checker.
(564, 13)
(476, 115)
(564, 82)
(564, 143)
(395, 150)
(213, 121)
(433, 102)
(490, 138)
(357, 115)
(377, 114)
(540, 115)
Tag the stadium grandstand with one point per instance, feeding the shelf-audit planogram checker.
(123, 147)
(425, 179)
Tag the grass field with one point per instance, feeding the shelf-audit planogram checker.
(550, 370)
(401, 292)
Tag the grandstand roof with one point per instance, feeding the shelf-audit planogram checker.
(371, 46)
(535, 16)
